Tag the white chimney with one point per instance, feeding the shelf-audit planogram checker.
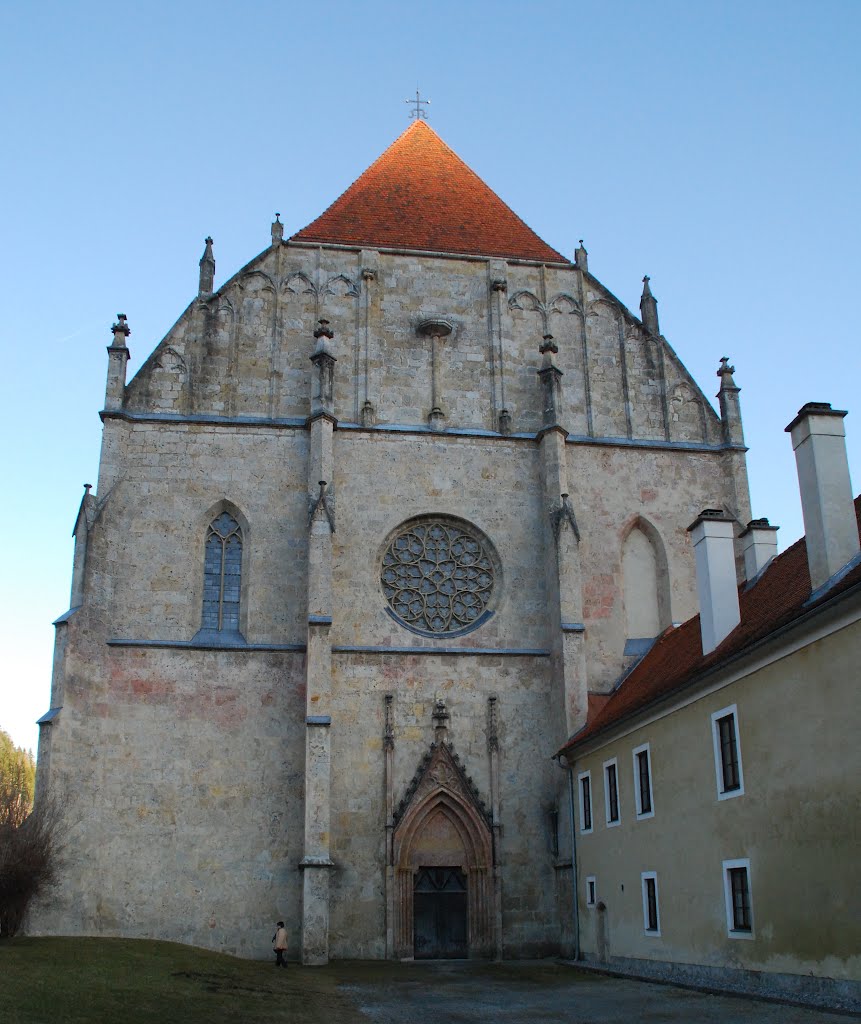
(759, 546)
(714, 550)
(830, 526)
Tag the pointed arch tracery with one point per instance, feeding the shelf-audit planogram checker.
(222, 597)
(471, 829)
(222, 575)
(564, 303)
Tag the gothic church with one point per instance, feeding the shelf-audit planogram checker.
(372, 522)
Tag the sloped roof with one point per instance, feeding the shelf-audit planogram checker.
(420, 195)
(777, 597)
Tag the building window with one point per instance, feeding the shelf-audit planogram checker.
(438, 576)
(585, 780)
(222, 575)
(611, 791)
(739, 910)
(554, 832)
(651, 917)
(643, 781)
(727, 750)
(591, 890)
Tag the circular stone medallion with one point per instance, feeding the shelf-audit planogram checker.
(438, 576)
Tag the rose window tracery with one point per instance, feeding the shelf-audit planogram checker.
(438, 577)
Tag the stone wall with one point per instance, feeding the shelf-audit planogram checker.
(244, 351)
(184, 765)
(180, 774)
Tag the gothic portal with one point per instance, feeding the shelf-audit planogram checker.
(443, 858)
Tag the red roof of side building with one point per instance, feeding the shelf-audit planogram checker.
(778, 596)
(421, 195)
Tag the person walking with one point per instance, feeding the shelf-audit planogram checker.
(279, 943)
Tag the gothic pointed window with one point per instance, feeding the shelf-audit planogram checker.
(222, 576)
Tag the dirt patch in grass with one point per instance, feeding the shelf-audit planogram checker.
(223, 985)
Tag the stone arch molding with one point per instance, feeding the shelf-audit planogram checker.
(645, 579)
(529, 302)
(298, 283)
(687, 413)
(169, 359)
(442, 822)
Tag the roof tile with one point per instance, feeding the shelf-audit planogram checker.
(420, 195)
(778, 597)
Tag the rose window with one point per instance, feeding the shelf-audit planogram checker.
(438, 577)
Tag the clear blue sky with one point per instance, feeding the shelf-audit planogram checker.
(712, 145)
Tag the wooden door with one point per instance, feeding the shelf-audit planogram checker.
(439, 914)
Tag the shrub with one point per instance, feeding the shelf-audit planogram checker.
(29, 839)
(29, 855)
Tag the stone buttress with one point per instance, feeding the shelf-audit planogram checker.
(317, 863)
(562, 553)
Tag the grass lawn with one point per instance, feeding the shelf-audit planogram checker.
(125, 981)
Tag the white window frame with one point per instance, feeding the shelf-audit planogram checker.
(656, 932)
(614, 761)
(588, 777)
(733, 933)
(726, 794)
(591, 879)
(641, 814)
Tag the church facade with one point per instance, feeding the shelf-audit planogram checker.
(372, 521)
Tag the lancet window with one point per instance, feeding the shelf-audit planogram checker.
(222, 575)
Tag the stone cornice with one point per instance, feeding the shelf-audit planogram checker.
(191, 645)
(521, 652)
(394, 429)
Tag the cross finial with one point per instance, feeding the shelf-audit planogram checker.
(121, 329)
(418, 114)
(277, 230)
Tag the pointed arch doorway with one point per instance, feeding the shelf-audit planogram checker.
(442, 855)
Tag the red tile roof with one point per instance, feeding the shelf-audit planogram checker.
(421, 195)
(775, 600)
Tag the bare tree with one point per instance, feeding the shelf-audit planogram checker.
(29, 843)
